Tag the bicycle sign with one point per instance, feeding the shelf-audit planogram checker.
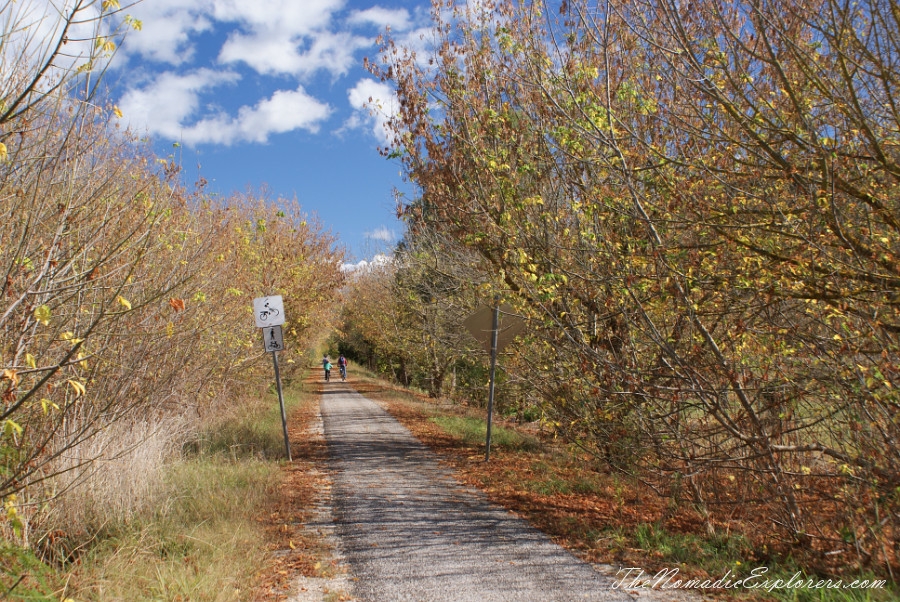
(273, 338)
(269, 315)
(268, 311)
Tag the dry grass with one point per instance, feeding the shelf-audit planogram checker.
(109, 479)
(204, 543)
(206, 536)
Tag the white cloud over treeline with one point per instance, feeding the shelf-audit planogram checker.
(367, 264)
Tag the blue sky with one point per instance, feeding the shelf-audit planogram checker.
(273, 93)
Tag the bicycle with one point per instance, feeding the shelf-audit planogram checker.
(268, 311)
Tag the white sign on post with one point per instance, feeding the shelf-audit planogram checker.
(273, 338)
(269, 315)
(268, 311)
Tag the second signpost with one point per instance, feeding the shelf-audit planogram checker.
(269, 315)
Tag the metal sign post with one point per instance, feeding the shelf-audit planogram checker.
(287, 443)
(495, 330)
(269, 315)
(494, 339)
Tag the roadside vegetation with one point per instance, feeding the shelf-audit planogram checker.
(603, 517)
(129, 430)
(694, 207)
(204, 532)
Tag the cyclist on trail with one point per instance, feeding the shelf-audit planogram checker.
(342, 364)
(326, 365)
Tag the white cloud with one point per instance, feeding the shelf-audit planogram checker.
(164, 105)
(167, 105)
(168, 28)
(421, 42)
(275, 38)
(396, 19)
(382, 234)
(374, 103)
(288, 37)
(268, 37)
(298, 18)
(376, 261)
(283, 54)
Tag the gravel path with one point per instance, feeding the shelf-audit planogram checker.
(409, 531)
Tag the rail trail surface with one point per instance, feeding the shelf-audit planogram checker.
(409, 531)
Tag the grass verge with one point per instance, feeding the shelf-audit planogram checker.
(473, 430)
(203, 544)
(602, 517)
(210, 536)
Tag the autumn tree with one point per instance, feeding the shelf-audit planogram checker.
(406, 314)
(126, 298)
(696, 204)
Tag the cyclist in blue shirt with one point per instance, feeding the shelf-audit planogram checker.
(326, 365)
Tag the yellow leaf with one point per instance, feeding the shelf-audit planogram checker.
(123, 302)
(11, 426)
(110, 4)
(42, 315)
(70, 336)
(4, 154)
(291, 543)
(135, 24)
(30, 361)
(117, 111)
(170, 329)
(105, 44)
(77, 386)
(46, 403)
